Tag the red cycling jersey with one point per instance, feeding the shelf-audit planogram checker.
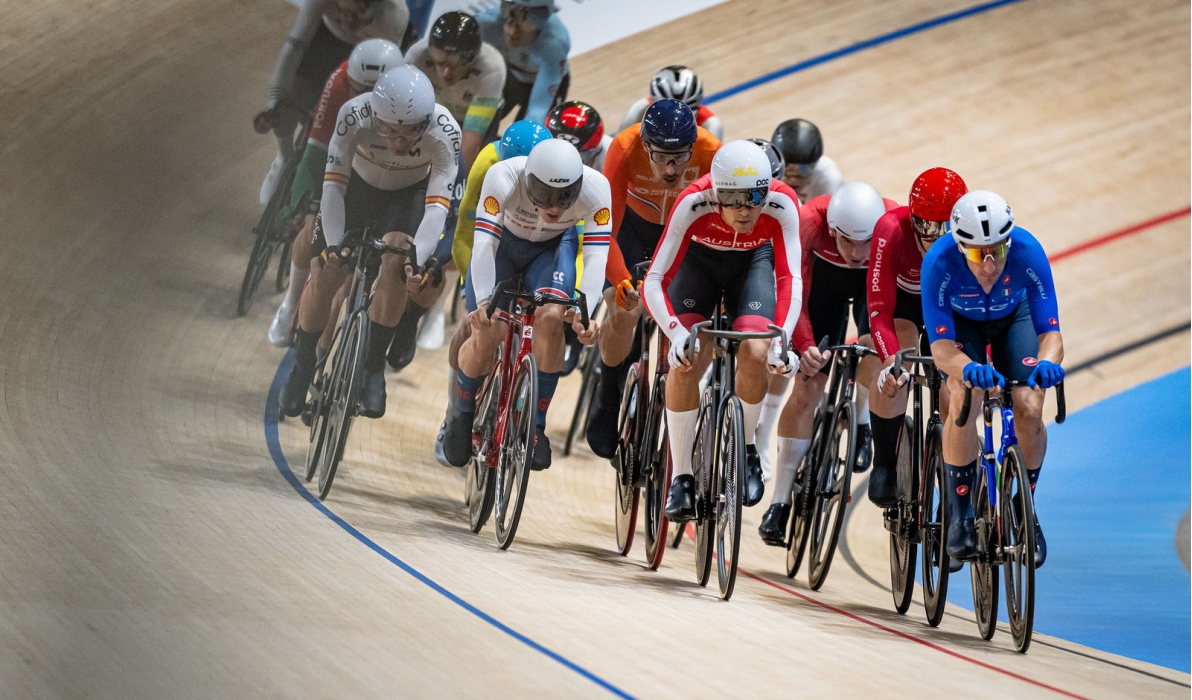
(894, 262)
(696, 217)
(336, 91)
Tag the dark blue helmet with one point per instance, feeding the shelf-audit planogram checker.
(520, 137)
(669, 125)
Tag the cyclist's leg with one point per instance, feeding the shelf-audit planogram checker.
(887, 414)
(1014, 355)
(961, 446)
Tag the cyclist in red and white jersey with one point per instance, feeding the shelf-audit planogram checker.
(676, 83)
(731, 233)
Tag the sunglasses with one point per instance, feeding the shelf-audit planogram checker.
(928, 231)
(669, 157)
(751, 198)
(800, 169)
(977, 254)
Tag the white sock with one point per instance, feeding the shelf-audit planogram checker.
(680, 427)
(750, 412)
(790, 452)
(862, 405)
(771, 409)
(297, 283)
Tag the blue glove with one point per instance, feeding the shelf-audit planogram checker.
(1046, 375)
(983, 376)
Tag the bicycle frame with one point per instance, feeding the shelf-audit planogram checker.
(520, 328)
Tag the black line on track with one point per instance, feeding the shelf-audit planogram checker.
(1129, 347)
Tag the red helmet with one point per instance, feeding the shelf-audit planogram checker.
(935, 192)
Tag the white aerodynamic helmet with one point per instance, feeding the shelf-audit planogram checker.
(854, 209)
(554, 174)
(372, 57)
(981, 218)
(404, 95)
(740, 174)
(678, 83)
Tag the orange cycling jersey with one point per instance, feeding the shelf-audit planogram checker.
(634, 184)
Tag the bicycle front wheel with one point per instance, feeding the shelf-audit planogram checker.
(702, 466)
(1017, 510)
(982, 571)
(517, 451)
(628, 446)
(832, 494)
(343, 397)
(318, 419)
(730, 473)
(902, 548)
(658, 460)
(935, 553)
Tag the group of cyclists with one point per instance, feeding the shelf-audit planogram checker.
(405, 144)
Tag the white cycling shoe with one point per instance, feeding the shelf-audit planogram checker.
(283, 320)
(270, 182)
(431, 333)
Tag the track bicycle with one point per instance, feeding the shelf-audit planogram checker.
(589, 368)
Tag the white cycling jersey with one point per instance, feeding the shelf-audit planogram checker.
(505, 206)
(387, 20)
(479, 92)
(356, 145)
(825, 179)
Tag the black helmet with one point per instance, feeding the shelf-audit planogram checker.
(456, 32)
(577, 123)
(799, 142)
(777, 162)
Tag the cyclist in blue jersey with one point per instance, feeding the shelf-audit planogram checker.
(535, 44)
(989, 283)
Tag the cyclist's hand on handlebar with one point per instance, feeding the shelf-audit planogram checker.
(781, 361)
(627, 295)
(266, 120)
(1045, 375)
(892, 378)
(983, 376)
(590, 334)
(479, 318)
(813, 361)
(333, 258)
(677, 355)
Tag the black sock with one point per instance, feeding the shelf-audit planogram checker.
(612, 380)
(305, 344)
(885, 441)
(958, 487)
(379, 338)
(410, 317)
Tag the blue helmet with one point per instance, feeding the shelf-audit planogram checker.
(669, 125)
(520, 137)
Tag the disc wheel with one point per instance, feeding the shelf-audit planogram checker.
(832, 494)
(629, 444)
(702, 466)
(343, 397)
(934, 529)
(1017, 511)
(730, 470)
(517, 451)
(659, 478)
(983, 572)
(481, 479)
(902, 548)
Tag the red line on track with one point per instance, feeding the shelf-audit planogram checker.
(1120, 233)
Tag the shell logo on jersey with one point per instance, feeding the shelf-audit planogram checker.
(492, 206)
(601, 217)
(741, 172)
(1029, 361)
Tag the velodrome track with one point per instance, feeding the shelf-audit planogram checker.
(152, 544)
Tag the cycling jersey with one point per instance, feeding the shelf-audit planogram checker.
(635, 187)
(894, 261)
(543, 63)
(825, 179)
(461, 247)
(385, 20)
(703, 117)
(696, 218)
(505, 208)
(818, 244)
(950, 289)
(357, 147)
(473, 100)
(594, 158)
(308, 177)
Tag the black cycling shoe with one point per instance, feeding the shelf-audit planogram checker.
(1040, 546)
(773, 527)
(962, 540)
(864, 441)
(372, 394)
(293, 394)
(457, 438)
(883, 487)
(541, 451)
(680, 500)
(405, 337)
(602, 426)
(755, 486)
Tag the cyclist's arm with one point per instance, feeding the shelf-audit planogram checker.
(596, 233)
(783, 206)
(615, 172)
(444, 166)
(935, 286)
(552, 66)
(1040, 294)
(499, 184)
(636, 111)
(882, 285)
(310, 14)
(461, 248)
(308, 177)
(803, 336)
(338, 173)
(667, 258)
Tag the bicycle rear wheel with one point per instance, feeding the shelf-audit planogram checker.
(517, 451)
(629, 446)
(902, 548)
(263, 246)
(982, 571)
(1017, 510)
(804, 498)
(318, 418)
(343, 397)
(659, 462)
(589, 378)
(481, 478)
(832, 494)
(702, 466)
(935, 554)
(730, 472)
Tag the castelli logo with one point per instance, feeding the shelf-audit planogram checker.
(960, 346)
(1006, 279)
(601, 217)
(1029, 361)
(672, 325)
(962, 490)
(941, 329)
(492, 206)
(1053, 322)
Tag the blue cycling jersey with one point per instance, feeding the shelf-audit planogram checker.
(949, 288)
(543, 63)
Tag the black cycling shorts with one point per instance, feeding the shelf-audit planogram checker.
(744, 277)
(322, 57)
(1011, 340)
(637, 239)
(832, 289)
(909, 307)
(381, 211)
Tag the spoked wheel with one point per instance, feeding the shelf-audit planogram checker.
(802, 502)
(628, 446)
(658, 480)
(902, 548)
(832, 494)
(1017, 511)
(343, 398)
(982, 570)
(517, 451)
(481, 479)
(263, 246)
(702, 466)
(730, 470)
(935, 554)
(590, 378)
(318, 420)
(283, 266)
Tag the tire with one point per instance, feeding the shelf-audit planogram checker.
(263, 246)
(481, 478)
(318, 422)
(702, 466)
(934, 528)
(982, 571)
(730, 471)
(659, 478)
(517, 451)
(1017, 511)
(832, 494)
(902, 547)
(587, 388)
(629, 445)
(343, 397)
(798, 532)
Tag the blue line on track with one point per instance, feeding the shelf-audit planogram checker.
(279, 460)
(857, 48)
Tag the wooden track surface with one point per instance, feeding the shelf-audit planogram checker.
(149, 546)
